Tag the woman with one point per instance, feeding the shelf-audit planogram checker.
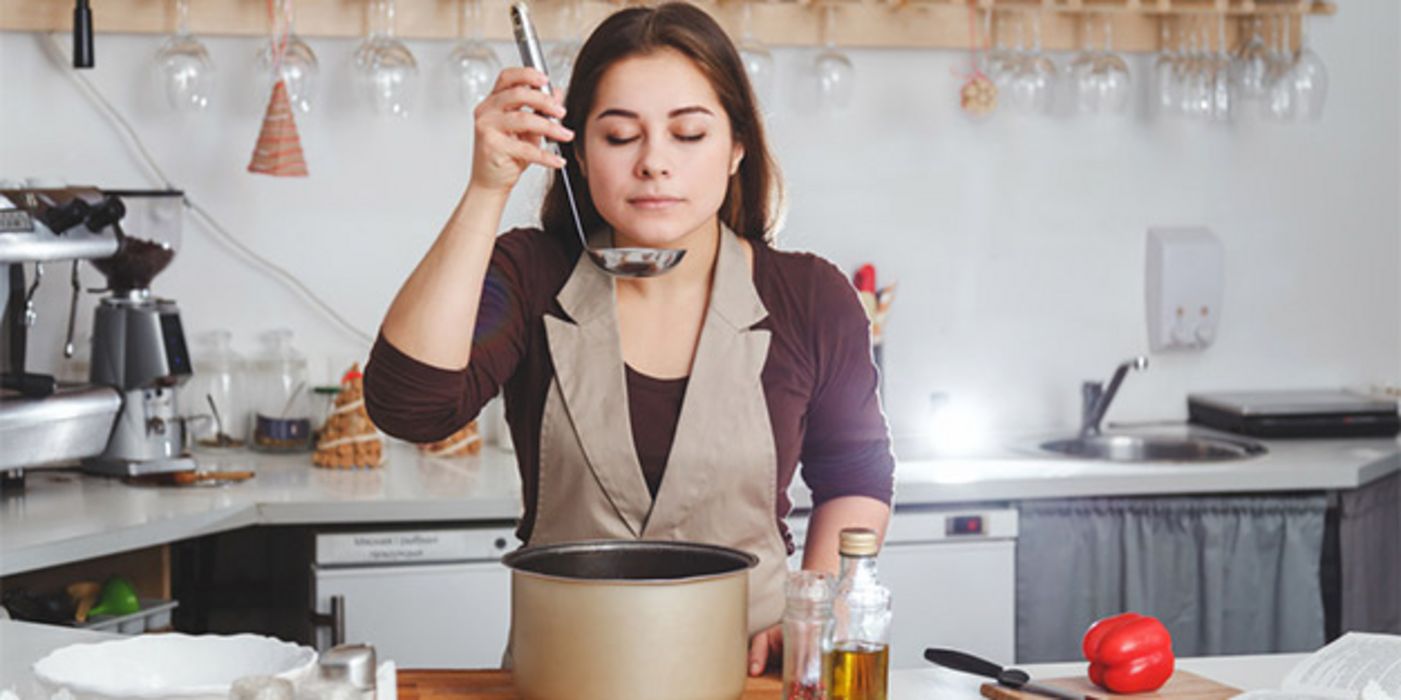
(674, 407)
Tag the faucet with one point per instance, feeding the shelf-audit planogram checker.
(1095, 398)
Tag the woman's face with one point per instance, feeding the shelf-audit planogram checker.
(658, 150)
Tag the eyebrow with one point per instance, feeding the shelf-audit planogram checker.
(693, 109)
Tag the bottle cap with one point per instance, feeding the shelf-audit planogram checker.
(859, 542)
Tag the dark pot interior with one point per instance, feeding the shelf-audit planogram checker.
(630, 560)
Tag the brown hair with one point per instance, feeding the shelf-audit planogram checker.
(754, 194)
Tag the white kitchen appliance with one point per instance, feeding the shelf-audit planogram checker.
(1309, 413)
(952, 580)
(424, 598)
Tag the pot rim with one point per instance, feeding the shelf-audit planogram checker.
(517, 560)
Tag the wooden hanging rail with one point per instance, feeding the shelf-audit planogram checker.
(930, 24)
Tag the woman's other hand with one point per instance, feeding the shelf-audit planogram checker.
(510, 123)
(765, 648)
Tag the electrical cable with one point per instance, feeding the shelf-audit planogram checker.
(54, 49)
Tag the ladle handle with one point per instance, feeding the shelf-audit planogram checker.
(532, 57)
(528, 41)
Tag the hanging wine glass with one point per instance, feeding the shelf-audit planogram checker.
(1280, 100)
(1000, 63)
(835, 74)
(1197, 75)
(473, 62)
(1164, 66)
(1219, 67)
(1310, 79)
(1113, 74)
(1035, 77)
(1102, 78)
(186, 71)
(560, 58)
(298, 68)
(387, 69)
(758, 60)
(1250, 65)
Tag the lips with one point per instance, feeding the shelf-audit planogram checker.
(654, 202)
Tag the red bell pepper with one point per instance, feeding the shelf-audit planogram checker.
(1129, 653)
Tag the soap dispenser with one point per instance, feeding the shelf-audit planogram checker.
(1185, 280)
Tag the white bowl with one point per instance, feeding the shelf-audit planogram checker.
(182, 666)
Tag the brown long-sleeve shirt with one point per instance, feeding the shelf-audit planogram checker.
(819, 380)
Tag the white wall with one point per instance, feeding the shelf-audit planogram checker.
(1017, 243)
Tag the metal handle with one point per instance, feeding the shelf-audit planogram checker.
(532, 57)
(335, 620)
(76, 284)
(528, 41)
(31, 315)
(962, 661)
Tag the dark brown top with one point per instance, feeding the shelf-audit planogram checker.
(819, 380)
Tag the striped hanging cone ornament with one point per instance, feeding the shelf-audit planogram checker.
(279, 149)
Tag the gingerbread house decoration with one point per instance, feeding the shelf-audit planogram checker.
(349, 440)
(463, 443)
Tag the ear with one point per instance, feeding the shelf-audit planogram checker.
(578, 154)
(736, 156)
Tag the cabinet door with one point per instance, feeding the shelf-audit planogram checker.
(958, 594)
(951, 594)
(426, 616)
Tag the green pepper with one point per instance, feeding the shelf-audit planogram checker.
(1129, 653)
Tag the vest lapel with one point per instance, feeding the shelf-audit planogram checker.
(719, 405)
(588, 363)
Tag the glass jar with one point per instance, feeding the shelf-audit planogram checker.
(218, 388)
(282, 411)
(857, 659)
(807, 621)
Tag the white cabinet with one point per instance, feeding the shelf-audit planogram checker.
(424, 599)
(952, 579)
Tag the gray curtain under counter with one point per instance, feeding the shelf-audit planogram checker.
(1369, 534)
(1226, 574)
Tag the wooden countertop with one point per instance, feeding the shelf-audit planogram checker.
(496, 685)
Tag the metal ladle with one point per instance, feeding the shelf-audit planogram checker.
(620, 262)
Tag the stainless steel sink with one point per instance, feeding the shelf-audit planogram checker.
(1153, 448)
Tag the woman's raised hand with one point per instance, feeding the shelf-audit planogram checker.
(510, 124)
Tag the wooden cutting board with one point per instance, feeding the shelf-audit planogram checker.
(497, 685)
(1184, 685)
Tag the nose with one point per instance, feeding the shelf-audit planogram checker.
(653, 161)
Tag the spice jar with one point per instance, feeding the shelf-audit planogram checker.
(807, 619)
(282, 412)
(218, 388)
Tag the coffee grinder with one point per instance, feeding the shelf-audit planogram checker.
(138, 344)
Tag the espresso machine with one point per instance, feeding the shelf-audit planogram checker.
(123, 421)
(45, 422)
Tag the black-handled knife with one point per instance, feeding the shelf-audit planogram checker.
(1014, 678)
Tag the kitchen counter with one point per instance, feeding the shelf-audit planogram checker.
(64, 516)
(1019, 471)
(22, 643)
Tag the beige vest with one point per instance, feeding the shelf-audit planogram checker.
(720, 481)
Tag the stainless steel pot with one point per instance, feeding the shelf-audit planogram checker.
(619, 620)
